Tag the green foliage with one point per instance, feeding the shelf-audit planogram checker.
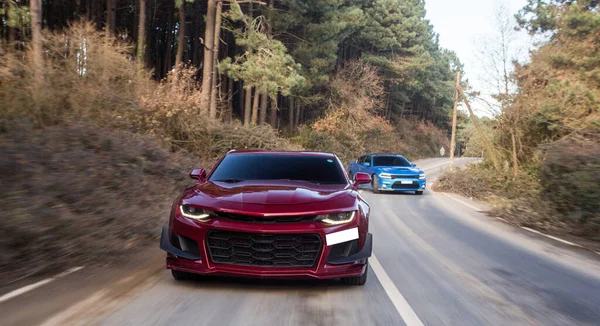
(264, 64)
(17, 16)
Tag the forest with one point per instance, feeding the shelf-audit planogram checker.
(283, 64)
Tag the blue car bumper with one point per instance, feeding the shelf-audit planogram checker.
(402, 184)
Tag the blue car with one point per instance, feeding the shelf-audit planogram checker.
(390, 172)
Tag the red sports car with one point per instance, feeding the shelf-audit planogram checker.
(271, 214)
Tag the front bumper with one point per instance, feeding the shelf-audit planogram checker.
(328, 264)
(401, 184)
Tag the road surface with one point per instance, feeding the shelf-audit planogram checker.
(437, 260)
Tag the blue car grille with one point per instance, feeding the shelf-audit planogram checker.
(398, 185)
(404, 176)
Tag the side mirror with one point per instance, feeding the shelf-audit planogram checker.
(367, 164)
(198, 174)
(414, 165)
(361, 178)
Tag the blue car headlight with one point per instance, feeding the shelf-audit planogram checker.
(385, 175)
(422, 176)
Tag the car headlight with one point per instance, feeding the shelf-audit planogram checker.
(385, 176)
(337, 218)
(422, 176)
(195, 213)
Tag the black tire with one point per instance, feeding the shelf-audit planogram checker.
(419, 192)
(181, 276)
(357, 280)
(374, 182)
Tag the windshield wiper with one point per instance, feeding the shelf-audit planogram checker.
(230, 180)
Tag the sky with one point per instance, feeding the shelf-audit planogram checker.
(462, 24)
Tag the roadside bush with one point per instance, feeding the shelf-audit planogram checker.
(76, 194)
(570, 179)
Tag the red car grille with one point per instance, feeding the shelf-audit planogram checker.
(265, 220)
(263, 250)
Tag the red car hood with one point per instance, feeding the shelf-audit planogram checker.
(270, 197)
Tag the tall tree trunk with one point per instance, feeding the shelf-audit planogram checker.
(36, 38)
(515, 160)
(141, 44)
(274, 112)
(169, 45)
(207, 68)
(263, 109)
(77, 8)
(291, 115)
(111, 17)
(247, 105)
(486, 143)
(230, 98)
(181, 44)
(213, 98)
(255, 106)
(297, 122)
(12, 36)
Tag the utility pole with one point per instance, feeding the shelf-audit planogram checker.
(453, 139)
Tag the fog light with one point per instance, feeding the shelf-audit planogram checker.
(423, 186)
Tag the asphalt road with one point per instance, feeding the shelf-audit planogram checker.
(438, 261)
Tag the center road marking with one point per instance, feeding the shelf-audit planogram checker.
(406, 312)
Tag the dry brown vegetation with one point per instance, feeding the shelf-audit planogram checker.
(556, 122)
(77, 194)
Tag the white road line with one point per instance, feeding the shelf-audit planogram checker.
(522, 227)
(406, 312)
(435, 166)
(34, 286)
(461, 201)
(551, 237)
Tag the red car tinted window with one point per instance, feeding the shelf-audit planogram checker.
(240, 167)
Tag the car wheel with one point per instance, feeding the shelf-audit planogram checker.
(357, 280)
(180, 276)
(374, 184)
(419, 192)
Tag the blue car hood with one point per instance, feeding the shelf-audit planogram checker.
(399, 170)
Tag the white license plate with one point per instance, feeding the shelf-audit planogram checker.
(406, 182)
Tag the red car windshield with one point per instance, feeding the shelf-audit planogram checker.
(390, 161)
(315, 169)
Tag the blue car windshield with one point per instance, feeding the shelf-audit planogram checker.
(390, 161)
(315, 169)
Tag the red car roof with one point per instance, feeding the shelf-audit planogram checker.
(296, 153)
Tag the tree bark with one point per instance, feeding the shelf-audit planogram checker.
(181, 38)
(207, 68)
(111, 17)
(36, 38)
(255, 106)
(141, 44)
(169, 45)
(247, 105)
(291, 115)
(213, 99)
(230, 98)
(515, 160)
(263, 108)
(297, 111)
(274, 112)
